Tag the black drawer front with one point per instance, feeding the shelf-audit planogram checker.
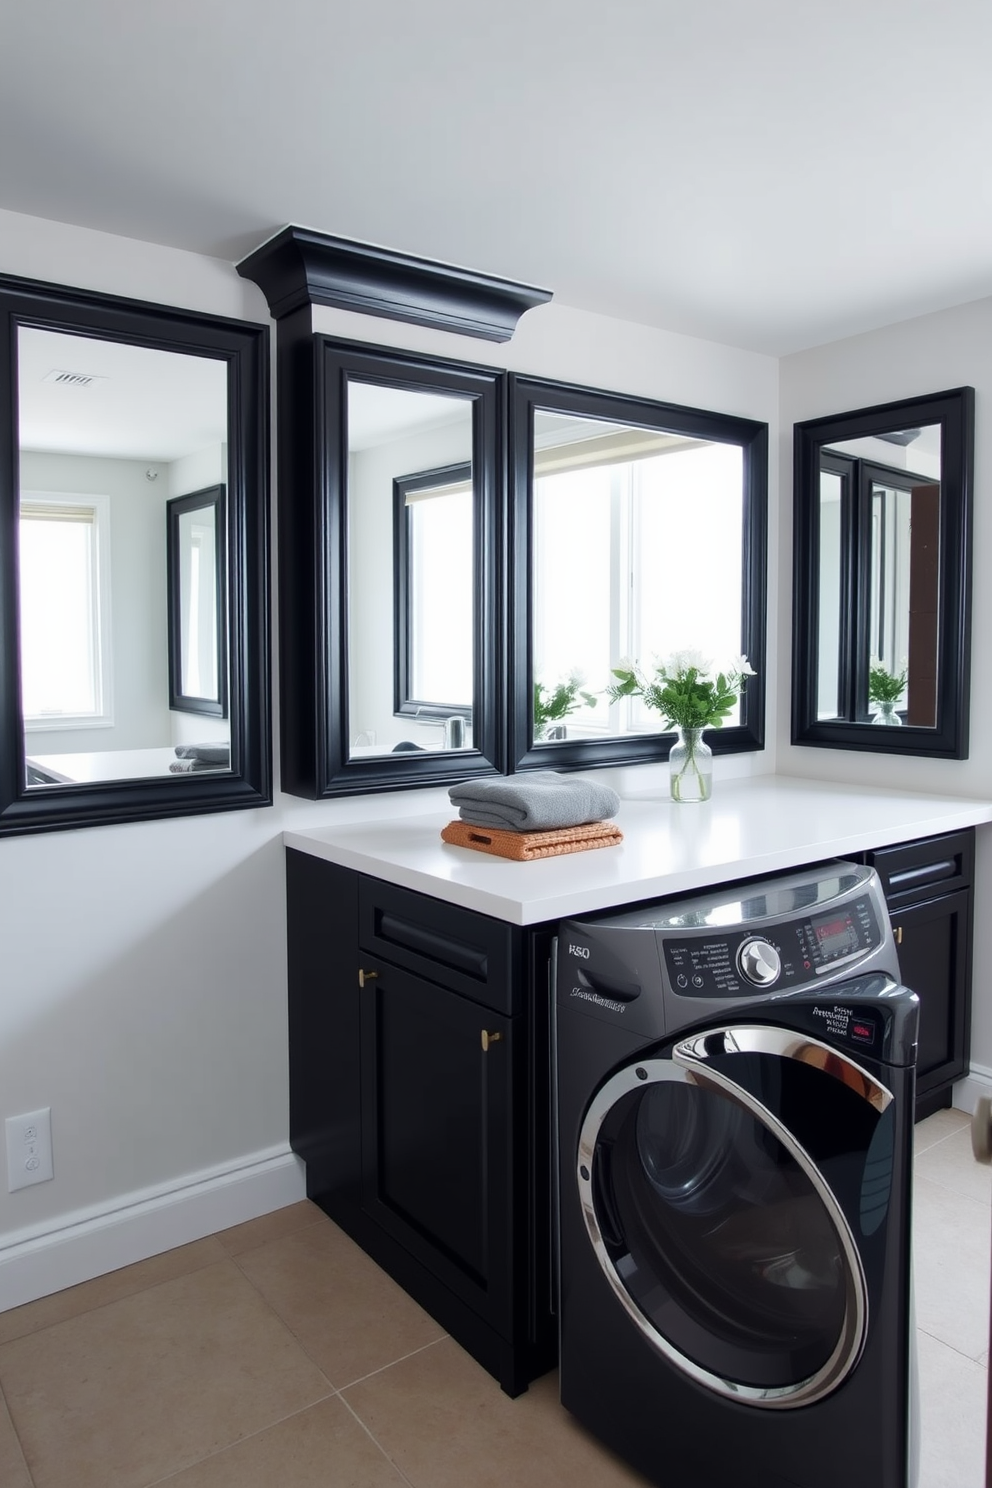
(933, 865)
(456, 948)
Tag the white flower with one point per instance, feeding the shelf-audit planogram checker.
(576, 677)
(681, 662)
(625, 664)
(739, 666)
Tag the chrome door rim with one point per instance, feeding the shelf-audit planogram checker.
(687, 1067)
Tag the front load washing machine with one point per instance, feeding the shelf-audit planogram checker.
(734, 1099)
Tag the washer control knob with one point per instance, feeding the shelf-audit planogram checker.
(759, 962)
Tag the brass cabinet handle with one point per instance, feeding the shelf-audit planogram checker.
(366, 976)
(897, 933)
(489, 1038)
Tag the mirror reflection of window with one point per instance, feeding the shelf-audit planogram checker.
(891, 539)
(638, 551)
(65, 624)
(119, 428)
(437, 550)
(411, 633)
(829, 592)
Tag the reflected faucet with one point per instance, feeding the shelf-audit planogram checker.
(453, 728)
(454, 732)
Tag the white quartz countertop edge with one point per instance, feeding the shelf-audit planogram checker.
(765, 824)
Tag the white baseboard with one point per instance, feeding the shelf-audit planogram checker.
(978, 1081)
(92, 1242)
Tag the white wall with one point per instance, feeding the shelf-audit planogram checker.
(952, 348)
(143, 982)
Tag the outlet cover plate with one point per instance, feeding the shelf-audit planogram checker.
(29, 1149)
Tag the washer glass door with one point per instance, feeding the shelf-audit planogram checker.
(720, 1227)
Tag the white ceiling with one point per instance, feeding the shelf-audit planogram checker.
(773, 174)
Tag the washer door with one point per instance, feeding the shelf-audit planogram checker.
(714, 1223)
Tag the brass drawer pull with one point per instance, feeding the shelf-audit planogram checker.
(897, 933)
(489, 1038)
(366, 976)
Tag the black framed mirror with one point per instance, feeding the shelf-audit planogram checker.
(110, 409)
(405, 685)
(638, 529)
(883, 577)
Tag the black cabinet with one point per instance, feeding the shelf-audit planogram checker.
(419, 1095)
(420, 1088)
(929, 889)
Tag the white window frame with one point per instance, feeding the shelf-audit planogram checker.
(102, 630)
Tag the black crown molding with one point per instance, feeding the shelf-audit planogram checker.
(298, 267)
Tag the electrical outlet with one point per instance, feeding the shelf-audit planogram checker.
(29, 1149)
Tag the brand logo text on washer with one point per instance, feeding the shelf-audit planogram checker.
(607, 1002)
(574, 950)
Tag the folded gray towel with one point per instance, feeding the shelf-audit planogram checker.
(206, 754)
(534, 802)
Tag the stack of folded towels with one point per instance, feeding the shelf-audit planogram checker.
(192, 757)
(537, 815)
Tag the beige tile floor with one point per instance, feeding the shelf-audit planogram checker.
(277, 1355)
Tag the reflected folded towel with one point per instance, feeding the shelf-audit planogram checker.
(204, 754)
(194, 766)
(534, 802)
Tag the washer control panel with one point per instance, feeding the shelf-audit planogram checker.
(793, 952)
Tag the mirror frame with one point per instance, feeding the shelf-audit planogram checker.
(176, 508)
(954, 411)
(315, 661)
(528, 394)
(244, 348)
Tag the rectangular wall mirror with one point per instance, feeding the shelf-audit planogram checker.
(134, 644)
(882, 506)
(639, 530)
(406, 526)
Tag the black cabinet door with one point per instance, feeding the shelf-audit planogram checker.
(436, 1133)
(934, 940)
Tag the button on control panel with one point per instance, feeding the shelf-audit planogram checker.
(792, 953)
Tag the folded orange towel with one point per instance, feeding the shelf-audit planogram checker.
(524, 847)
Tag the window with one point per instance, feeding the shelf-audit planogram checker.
(434, 515)
(65, 621)
(647, 528)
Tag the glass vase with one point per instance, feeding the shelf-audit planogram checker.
(887, 715)
(690, 766)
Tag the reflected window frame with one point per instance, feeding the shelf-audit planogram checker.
(405, 703)
(528, 395)
(316, 656)
(954, 411)
(181, 701)
(243, 347)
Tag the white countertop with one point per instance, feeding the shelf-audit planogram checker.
(763, 824)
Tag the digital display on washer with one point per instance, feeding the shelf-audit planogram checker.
(834, 936)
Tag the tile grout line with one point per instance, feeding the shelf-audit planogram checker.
(305, 1350)
(970, 1358)
(249, 1436)
(17, 1435)
(368, 1430)
(360, 1380)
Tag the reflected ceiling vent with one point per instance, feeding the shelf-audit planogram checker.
(900, 436)
(72, 379)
